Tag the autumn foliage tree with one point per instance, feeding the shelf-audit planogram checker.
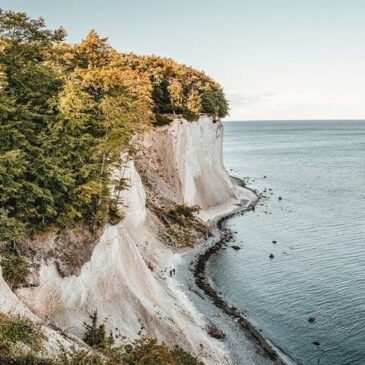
(178, 89)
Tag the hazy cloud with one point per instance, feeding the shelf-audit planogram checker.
(293, 106)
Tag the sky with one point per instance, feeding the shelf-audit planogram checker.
(276, 59)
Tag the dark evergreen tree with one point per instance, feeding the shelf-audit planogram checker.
(95, 335)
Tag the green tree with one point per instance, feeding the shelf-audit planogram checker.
(28, 86)
(95, 334)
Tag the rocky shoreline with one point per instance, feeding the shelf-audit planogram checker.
(202, 281)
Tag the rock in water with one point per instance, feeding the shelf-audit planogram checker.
(311, 319)
(271, 256)
(236, 247)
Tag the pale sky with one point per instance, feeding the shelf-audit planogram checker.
(276, 59)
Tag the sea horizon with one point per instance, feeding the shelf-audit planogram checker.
(291, 120)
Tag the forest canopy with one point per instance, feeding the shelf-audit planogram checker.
(67, 112)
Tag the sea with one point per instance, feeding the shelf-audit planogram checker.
(300, 273)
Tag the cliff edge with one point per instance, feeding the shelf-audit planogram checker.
(128, 278)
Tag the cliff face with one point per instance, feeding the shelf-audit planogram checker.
(127, 277)
(189, 158)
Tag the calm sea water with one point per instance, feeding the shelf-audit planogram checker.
(318, 168)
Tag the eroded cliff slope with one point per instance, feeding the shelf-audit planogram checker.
(127, 279)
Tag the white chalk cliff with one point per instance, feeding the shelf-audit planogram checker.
(118, 280)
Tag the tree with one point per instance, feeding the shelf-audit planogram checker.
(95, 335)
(105, 105)
(28, 85)
(193, 105)
(214, 102)
(175, 90)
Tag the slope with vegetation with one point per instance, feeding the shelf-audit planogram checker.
(21, 344)
(67, 117)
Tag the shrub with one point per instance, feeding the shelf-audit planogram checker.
(146, 351)
(15, 269)
(20, 338)
(29, 359)
(182, 357)
(162, 119)
(115, 214)
(80, 357)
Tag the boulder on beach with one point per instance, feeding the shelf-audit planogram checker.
(215, 332)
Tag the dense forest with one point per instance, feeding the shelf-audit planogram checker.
(66, 113)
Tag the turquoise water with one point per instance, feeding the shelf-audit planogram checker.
(318, 269)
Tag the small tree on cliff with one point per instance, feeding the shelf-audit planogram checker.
(95, 335)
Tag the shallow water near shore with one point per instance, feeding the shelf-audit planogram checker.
(318, 168)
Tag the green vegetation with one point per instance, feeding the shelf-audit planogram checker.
(66, 113)
(82, 357)
(20, 340)
(177, 89)
(181, 213)
(147, 351)
(182, 226)
(15, 269)
(21, 343)
(144, 351)
(95, 335)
